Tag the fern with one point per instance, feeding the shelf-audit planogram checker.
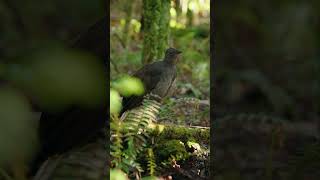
(151, 162)
(130, 134)
(116, 139)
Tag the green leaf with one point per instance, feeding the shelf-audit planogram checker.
(128, 86)
(115, 102)
(117, 174)
(150, 178)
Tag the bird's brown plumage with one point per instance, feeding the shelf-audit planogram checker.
(158, 78)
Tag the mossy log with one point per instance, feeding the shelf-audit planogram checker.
(189, 146)
(184, 133)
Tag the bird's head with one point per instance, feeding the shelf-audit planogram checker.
(172, 55)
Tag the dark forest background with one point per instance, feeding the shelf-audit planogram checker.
(40, 72)
(266, 90)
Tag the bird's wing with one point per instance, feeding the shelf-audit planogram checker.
(150, 76)
(172, 86)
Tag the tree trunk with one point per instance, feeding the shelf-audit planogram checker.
(125, 36)
(156, 16)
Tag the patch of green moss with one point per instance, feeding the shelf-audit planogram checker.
(167, 149)
(186, 134)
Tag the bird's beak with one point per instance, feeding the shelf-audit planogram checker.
(179, 52)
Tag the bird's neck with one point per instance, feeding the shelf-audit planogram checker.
(169, 61)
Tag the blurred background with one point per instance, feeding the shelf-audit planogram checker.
(267, 59)
(266, 90)
(40, 72)
(189, 31)
(27, 24)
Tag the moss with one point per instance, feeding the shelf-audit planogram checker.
(167, 149)
(186, 134)
(163, 27)
(174, 142)
(156, 28)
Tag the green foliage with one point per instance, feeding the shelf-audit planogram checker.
(151, 162)
(152, 38)
(194, 43)
(128, 86)
(125, 133)
(117, 174)
(172, 149)
(131, 139)
(193, 40)
(130, 136)
(115, 102)
(186, 134)
(64, 78)
(150, 178)
(134, 57)
(116, 146)
(195, 91)
(194, 145)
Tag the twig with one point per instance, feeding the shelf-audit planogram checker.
(120, 40)
(196, 127)
(114, 65)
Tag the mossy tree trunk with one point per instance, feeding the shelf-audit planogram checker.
(189, 17)
(128, 7)
(156, 17)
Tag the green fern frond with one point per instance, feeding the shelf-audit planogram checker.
(151, 162)
(130, 134)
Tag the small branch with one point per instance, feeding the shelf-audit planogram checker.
(182, 126)
(120, 40)
(114, 65)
